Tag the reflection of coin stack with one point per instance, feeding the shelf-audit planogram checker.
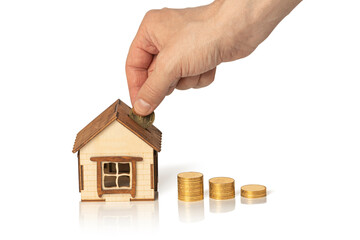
(191, 211)
(222, 206)
(222, 188)
(190, 186)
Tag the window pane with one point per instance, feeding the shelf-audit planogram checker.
(110, 181)
(124, 168)
(109, 168)
(124, 181)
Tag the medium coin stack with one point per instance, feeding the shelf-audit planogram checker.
(190, 186)
(222, 188)
(253, 191)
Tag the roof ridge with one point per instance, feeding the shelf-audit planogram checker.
(117, 107)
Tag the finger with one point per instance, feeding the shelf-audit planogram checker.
(188, 82)
(155, 88)
(170, 91)
(136, 70)
(198, 81)
(206, 78)
(139, 59)
(152, 65)
(171, 88)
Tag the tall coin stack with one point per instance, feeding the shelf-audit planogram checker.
(222, 188)
(190, 186)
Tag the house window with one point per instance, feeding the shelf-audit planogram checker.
(116, 175)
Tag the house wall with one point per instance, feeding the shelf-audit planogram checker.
(117, 140)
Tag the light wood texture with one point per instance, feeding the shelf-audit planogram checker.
(95, 127)
(117, 111)
(114, 137)
(117, 140)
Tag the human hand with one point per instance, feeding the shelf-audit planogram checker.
(180, 48)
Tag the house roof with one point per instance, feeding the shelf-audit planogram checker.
(118, 111)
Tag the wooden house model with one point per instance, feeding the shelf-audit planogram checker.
(117, 158)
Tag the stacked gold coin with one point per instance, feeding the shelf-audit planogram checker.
(190, 186)
(222, 188)
(253, 191)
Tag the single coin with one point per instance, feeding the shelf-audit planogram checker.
(143, 121)
(191, 199)
(221, 180)
(189, 175)
(253, 191)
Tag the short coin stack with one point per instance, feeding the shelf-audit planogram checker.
(222, 188)
(190, 186)
(253, 191)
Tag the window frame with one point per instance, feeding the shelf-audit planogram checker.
(116, 159)
(116, 175)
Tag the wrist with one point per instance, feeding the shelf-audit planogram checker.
(235, 22)
(244, 24)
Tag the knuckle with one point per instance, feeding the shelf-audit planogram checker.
(150, 15)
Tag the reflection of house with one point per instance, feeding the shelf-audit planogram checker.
(119, 216)
(117, 157)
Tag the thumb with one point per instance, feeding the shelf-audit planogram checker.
(154, 90)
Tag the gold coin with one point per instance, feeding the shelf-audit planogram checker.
(222, 188)
(191, 199)
(143, 121)
(190, 186)
(221, 180)
(190, 189)
(253, 191)
(189, 175)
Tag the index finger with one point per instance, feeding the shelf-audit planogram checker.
(137, 64)
(140, 56)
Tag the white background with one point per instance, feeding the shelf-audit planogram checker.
(286, 117)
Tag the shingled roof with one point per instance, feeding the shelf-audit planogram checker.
(118, 111)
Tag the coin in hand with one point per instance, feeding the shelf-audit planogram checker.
(143, 121)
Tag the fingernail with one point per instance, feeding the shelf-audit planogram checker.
(141, 107)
